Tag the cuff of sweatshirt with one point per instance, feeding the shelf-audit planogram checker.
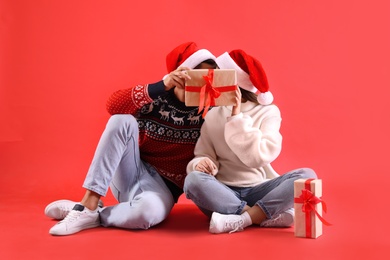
(230, 118)
(192, 164)
(156, 89)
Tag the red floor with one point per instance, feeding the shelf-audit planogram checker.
(26, 190)
(327, 63)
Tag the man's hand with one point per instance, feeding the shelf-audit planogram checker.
(176, 78)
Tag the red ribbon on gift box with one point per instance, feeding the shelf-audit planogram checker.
(208, 93)
(309, 201)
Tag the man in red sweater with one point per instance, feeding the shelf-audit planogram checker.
(142, 154)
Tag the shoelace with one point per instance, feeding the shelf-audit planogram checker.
(234, 225)
(72, 216)
(273, 221)
(64, 211)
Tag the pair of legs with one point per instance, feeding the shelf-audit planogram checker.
(261, 202)
(143, 198)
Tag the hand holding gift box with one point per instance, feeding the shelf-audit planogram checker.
(208, 88)
(308, 207)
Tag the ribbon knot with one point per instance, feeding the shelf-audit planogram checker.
(308, 201)
(208, 93)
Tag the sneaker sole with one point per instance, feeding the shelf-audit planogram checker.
(59, 233)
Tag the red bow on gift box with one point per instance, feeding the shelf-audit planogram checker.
(309, 201)
(208, 93)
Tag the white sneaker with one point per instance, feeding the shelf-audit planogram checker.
(60, 208)
(220, 223)
(79, 218)
(284, 219)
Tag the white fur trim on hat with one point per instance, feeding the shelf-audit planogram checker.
(226, 62)
(197, 57)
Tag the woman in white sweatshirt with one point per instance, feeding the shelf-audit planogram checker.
(231, 178)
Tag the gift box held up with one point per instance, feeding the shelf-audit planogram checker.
(208, 88)
(308, 207)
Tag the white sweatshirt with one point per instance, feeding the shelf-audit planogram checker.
(243, 146)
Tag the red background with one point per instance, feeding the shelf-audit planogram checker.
(328, 65)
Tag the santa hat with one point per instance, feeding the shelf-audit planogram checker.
(187, 55)
(250, 74)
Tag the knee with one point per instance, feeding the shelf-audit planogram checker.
(121, 119)
(152, 212)
(121, 122)
(192, 181)
(308, 173)
(142, 212)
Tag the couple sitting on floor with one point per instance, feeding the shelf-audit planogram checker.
(221, 162)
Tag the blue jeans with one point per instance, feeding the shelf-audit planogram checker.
(273, 196)
(144, 199)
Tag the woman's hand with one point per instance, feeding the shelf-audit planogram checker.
(207, 166)
(176, 78)
(237, 107)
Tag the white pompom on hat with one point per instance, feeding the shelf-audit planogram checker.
(250, 74)
(187, 55)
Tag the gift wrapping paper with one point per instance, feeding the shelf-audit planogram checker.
(208, 88)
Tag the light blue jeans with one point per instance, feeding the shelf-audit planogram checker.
(144, 199)
(273, 196)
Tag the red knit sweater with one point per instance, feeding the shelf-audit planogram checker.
(168, 129)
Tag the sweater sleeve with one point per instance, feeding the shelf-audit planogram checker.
(129, 101)
(255, 146)
(204, 148)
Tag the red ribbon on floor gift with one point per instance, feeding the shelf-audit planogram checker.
(309, 201)
(208, 93)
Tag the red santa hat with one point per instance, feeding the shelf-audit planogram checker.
(250, 74)
(187, 55)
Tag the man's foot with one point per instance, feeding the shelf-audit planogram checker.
(60, 208)
(220, 223)
(284, 219)
(79, 218)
